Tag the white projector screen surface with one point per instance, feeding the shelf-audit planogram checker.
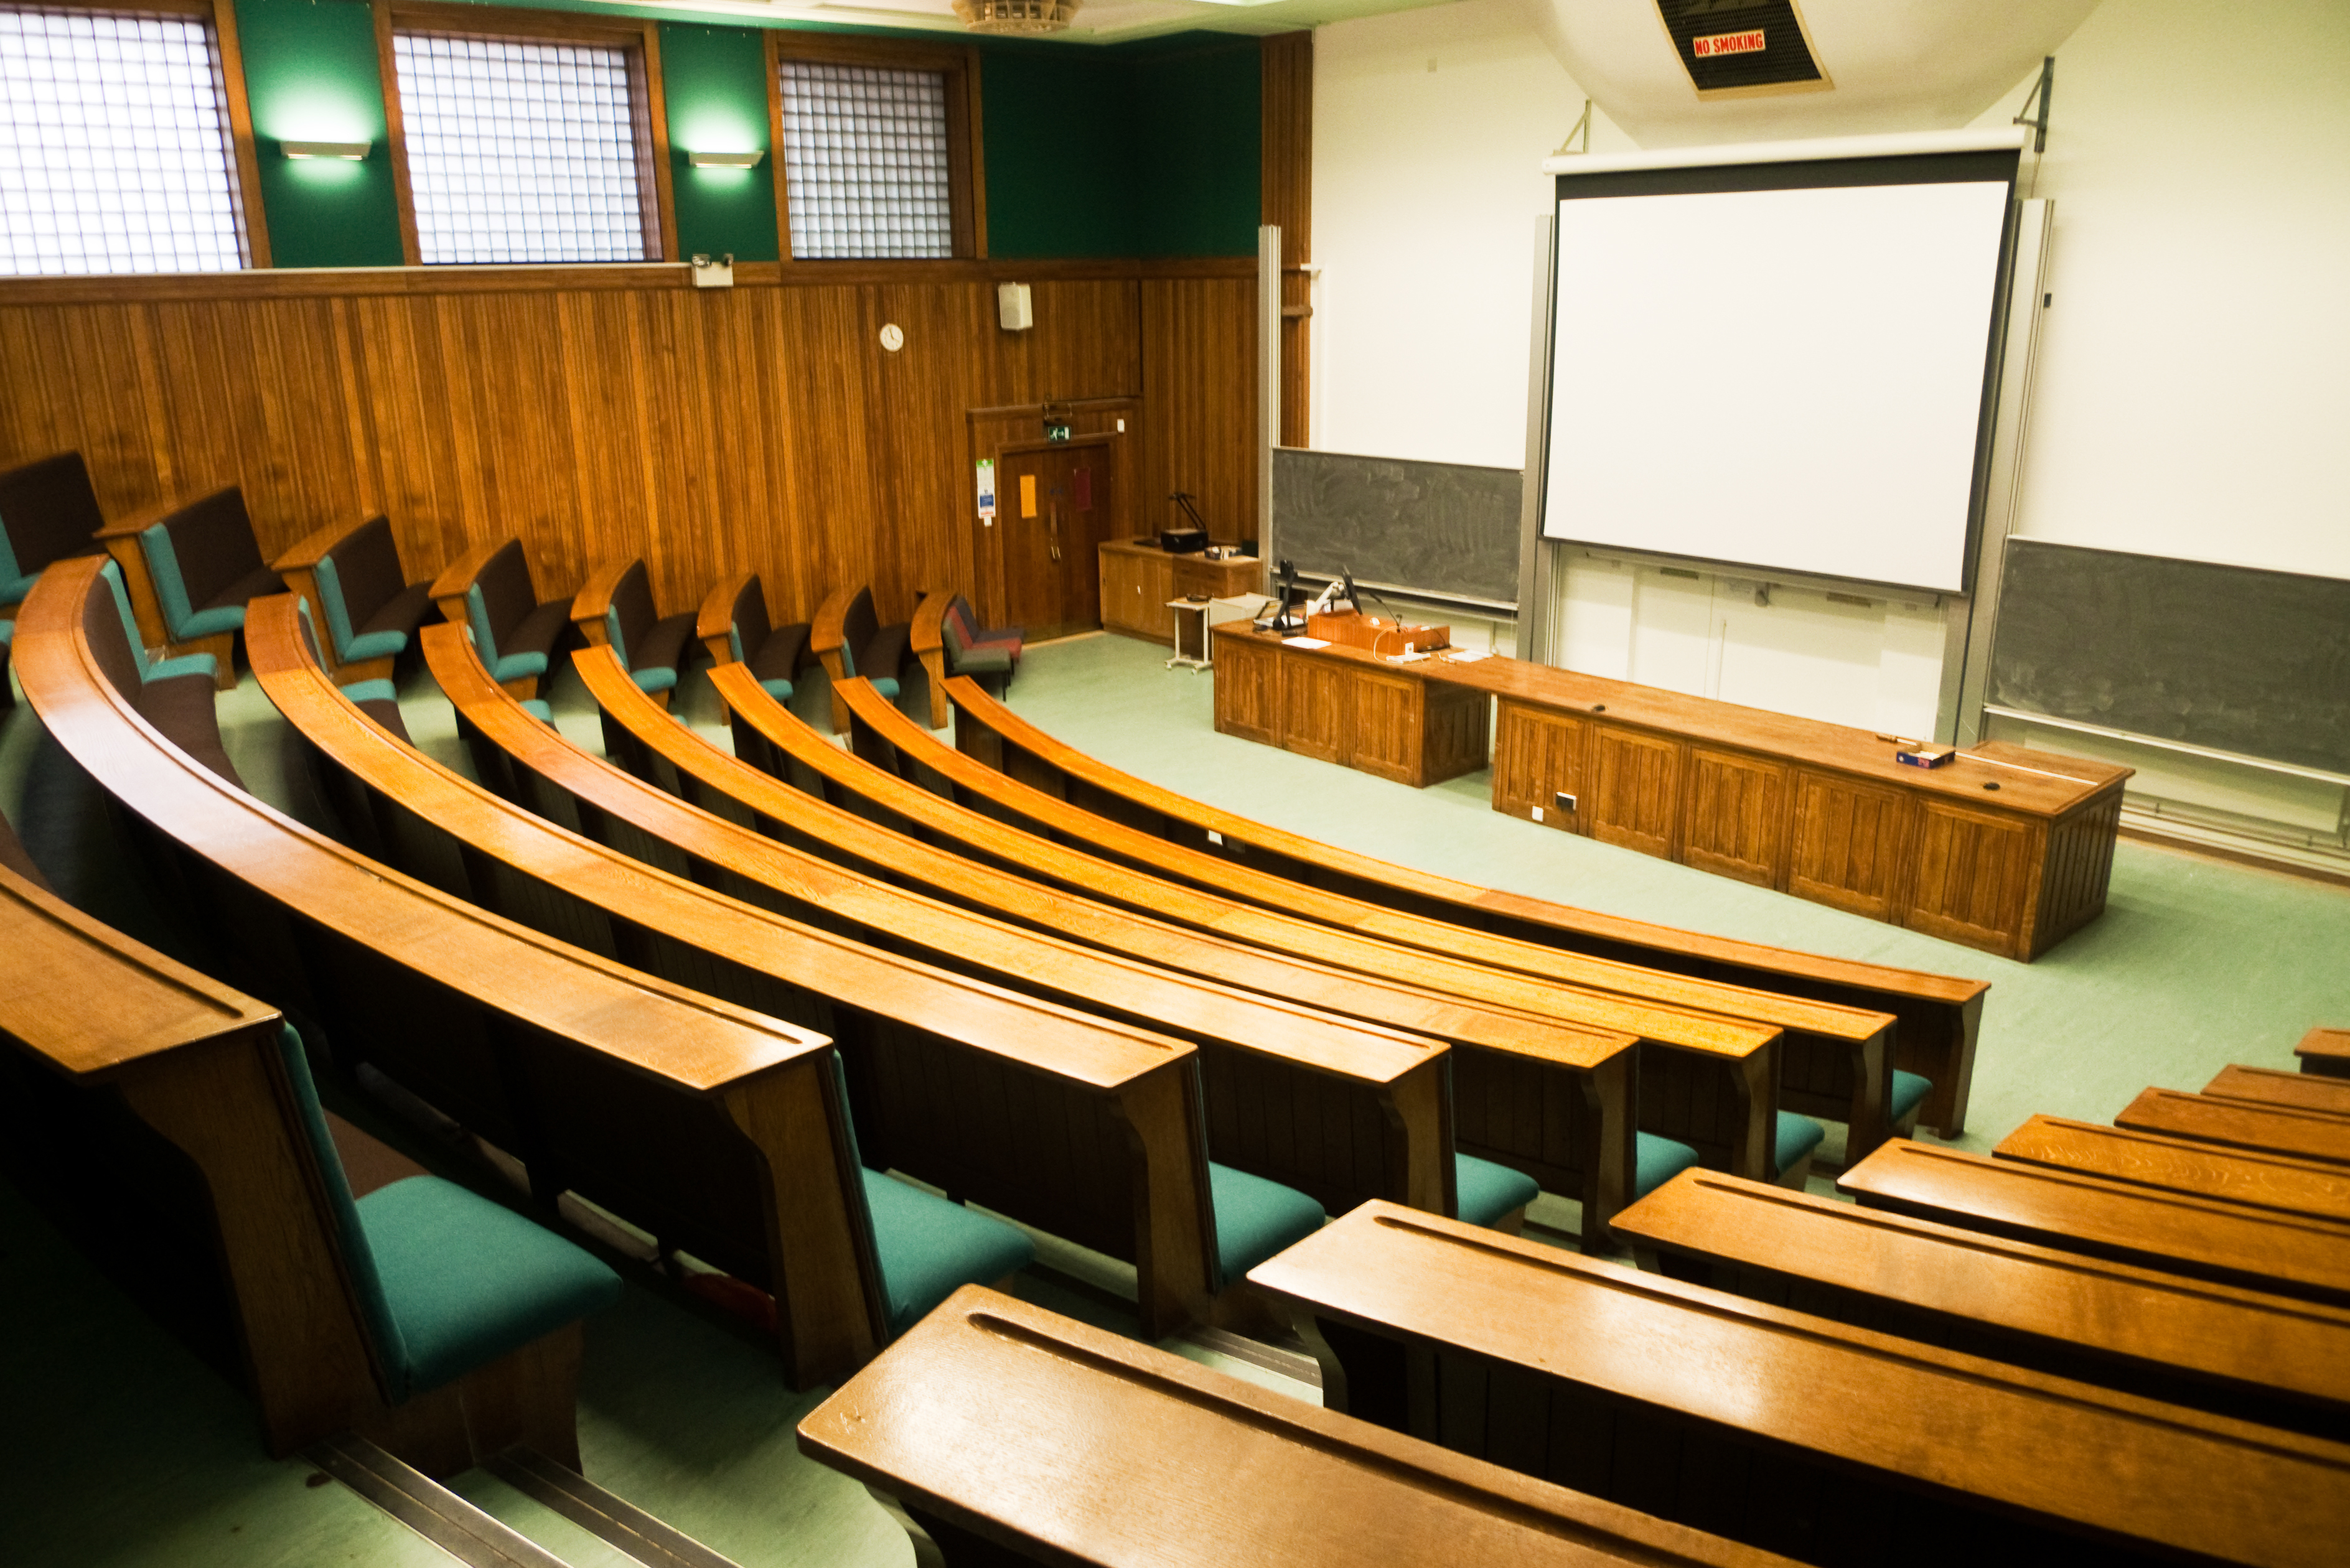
(1788, 379)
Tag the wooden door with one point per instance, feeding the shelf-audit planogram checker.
(1053, 508)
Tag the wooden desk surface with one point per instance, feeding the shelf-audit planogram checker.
(2240, 1124)
(1067, 1445)
(2267, 1085)
(1883, 987)
(1101, 984)
(2206, 1238)
(2112, 1464)
(1674, 1010)
(2325, 1052)
(1809, 741)
(88, 1028)
(2155, 1323)
(691, 1041)
(1939, 1014)
(2317, 1189)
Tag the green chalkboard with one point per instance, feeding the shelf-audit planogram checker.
(2229, 658)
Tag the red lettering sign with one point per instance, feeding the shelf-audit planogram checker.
(1728, 44)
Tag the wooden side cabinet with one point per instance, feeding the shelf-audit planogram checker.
(1735, 824)
(1138, 578)
(1538, 757)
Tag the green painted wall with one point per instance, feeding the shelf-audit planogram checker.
(310, 74)
(1140, 150)
(715, 81)
(1198, 129)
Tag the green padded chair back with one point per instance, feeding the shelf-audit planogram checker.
(112, 573)
(477, 617)
(359, 1258)
(329, 578)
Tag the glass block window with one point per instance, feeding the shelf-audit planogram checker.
(114, 146)
(865, 166)
(521, 151)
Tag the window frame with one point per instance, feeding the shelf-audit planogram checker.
(228, 65)
(967, 191)
(639, 40)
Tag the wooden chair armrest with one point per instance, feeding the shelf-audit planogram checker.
(716, 619)
(828, 630)
(450, 586)
(589, 605)
(927, 635)
(138, 521)
(312, 547)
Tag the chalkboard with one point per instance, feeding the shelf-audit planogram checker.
(1439, 527)
(2253, 663)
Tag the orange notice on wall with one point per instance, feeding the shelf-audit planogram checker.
(1027, 495)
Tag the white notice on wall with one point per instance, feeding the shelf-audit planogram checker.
(987, 490)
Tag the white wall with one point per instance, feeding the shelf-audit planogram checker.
(2191, 399)
(1430, 130)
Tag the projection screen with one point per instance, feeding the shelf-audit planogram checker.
(1779, 364)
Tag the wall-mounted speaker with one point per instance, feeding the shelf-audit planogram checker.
(1014, 309)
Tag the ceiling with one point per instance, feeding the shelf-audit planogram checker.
(1895, 65)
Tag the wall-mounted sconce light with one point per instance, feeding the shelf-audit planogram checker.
(350, 151)
(725, 159)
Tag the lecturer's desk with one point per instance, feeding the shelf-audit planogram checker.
(2004, 849)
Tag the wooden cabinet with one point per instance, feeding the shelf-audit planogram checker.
(1538, 756)
(1735, 824)
(1635, 801)
(1137, 581)
(1975, 882)
(1138, 578)
(1850, 838)
(1342, 705)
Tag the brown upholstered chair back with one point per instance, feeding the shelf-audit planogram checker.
(858, 627)
(367, 566)
(212, 540)
(507, 596)
(632, 611)
(751, 623)
(49, 511)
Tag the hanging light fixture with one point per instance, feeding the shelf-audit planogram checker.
(1016, 15)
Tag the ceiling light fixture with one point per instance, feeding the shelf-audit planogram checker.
(350, 151)
(726, 160)
(1016, 15)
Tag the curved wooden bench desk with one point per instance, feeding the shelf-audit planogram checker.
(718, 1130)
(2233, 1352)
(1939, 1014)
(1581, 1077)
(2205, 1237)
(1713, 1091)
(1792, 1433)
(1096, 1135)
(197, 1063)
(1011, 1434)
(1682, 1020)
(2294, 1130)
(2253, 1177)
(2270, 1086)
(1341, 1110)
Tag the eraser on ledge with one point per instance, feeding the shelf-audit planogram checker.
(1926, 756)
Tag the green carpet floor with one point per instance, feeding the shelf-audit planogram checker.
(121, 1449)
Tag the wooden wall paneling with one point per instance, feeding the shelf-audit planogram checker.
(1199, 385)
(1285, 182)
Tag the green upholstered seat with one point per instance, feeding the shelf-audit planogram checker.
(537, 708)
(202, 664)
(1656, 1160)
(1255, 1218)
(7, 631)
(1910, 1092)
(985, 659)
(885, 684)
(371, 692)
(14, 584)
(779, 689)
(1797, 1137)
(469, 1282)
(929, 1248)
(352, 647)
(447, 1281)
(504, 667)
(1485, 1191)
